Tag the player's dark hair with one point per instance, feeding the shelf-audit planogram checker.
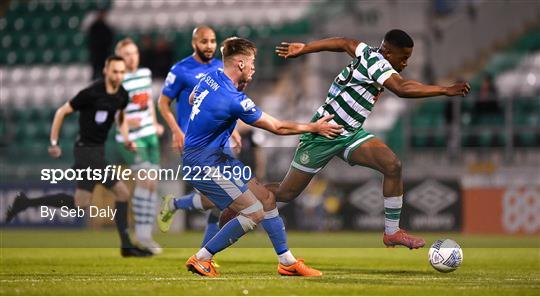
(398, 38)
(113, 58)
(237, 46)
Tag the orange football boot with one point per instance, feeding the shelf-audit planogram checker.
(298, 269)
(402, 238)
(204, 268)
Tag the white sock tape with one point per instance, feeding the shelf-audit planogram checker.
(271, 214)
(246, 223)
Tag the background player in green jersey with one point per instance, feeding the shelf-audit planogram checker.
(350, 99)
(143, 131)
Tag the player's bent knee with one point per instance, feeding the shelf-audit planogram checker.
(393, 168)
(254, 212)
(269, 201)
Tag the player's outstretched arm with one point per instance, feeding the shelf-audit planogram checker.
(279, 127)
(164, 104)
(336, 44)
(408, 88)
(59, 115)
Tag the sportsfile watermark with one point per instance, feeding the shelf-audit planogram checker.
(114, 172)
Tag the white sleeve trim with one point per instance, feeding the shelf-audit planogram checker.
(385, 76)
(359, 49)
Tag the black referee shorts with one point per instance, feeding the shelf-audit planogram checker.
(93, 157)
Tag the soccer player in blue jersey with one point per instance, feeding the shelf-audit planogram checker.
(179, 83)
(217, 105)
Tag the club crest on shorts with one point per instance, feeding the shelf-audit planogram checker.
(304, 159)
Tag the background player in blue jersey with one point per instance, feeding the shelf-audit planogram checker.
(179, 83)
(217, 105)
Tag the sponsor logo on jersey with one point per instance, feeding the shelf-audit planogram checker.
(247, 104)
(141, 99)
(171, 77)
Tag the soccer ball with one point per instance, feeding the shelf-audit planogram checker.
(445, 255)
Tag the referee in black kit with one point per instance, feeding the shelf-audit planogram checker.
(97, 105)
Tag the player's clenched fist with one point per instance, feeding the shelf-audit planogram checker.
(55, 151)
(459, 89)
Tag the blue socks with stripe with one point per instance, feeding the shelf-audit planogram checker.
(212, 226)
(185, 202)
(275, 228)
(228, 235)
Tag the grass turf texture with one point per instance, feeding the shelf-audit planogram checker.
(349, 269)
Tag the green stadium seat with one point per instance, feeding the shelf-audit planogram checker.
(419, 120)
(24, 41)
(419, 140)
(485, 138)
(48, 56)
(13, 58)
(526, 139)
(43, 41)
(19, 24)
(74, 22)
(439, 140)
(61, 40)
(30, 56)
(81, 56)
(3, 24)
(38, 23)
(77, 40)
(45, 115)
(7, 40)
(69, 132)
(65, 56)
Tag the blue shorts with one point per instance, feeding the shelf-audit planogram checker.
(222, 183)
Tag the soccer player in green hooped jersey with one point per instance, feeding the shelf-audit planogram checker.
(350, 100)
(143, 130)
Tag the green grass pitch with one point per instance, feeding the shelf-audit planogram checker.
(353, 264)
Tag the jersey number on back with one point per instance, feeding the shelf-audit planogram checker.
(196, 103)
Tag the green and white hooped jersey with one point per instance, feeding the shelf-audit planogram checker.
(138, 84)
(356, 89)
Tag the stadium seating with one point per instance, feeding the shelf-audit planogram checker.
(44, 46)
(517, 78)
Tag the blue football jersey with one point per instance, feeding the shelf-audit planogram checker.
(217, 105)
(181, 80)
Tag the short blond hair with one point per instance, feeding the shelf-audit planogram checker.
(122, 43)
(233, 46)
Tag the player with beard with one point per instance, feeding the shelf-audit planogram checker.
(179, 83)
